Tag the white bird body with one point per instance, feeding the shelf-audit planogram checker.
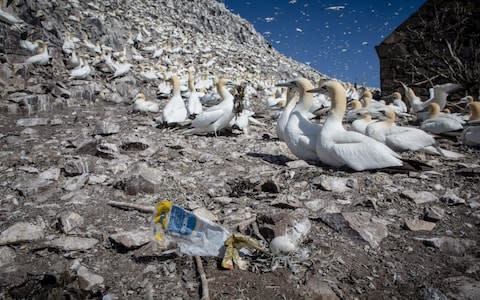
(338, 147)
(360, 125)
(142, 105)
(438, 94)
(68, 44)
(9, 18)
(241, 120)
(82, 71)
(194, 107)
(217, 117)
(399, 138)
(300, 134)
(471, 134)
(438, 124)
(148, 74)
(27, 45)
(74, 61)
(175, 110)
(121, 69)
(40, 59)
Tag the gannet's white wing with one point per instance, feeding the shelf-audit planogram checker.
(408, 138)
(207, 118)
(360, 152)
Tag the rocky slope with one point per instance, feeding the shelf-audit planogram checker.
(70, 148)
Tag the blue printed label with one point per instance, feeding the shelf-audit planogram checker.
(181, 221)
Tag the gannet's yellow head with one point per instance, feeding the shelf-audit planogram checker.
(337, 94)
(139, 97)
(434, 110)
(390, 116)
(447, 111)
(411, 93)
(474, 111)
(356, 104)
(175, 82)
(397, 95)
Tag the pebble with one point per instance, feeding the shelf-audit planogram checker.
(451, 198)
(433, 214)
(72, 243)
(21, 232)
(69, 221)
(419, 225)
(420, 197)
(132, 239)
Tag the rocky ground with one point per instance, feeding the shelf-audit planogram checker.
(67, 150)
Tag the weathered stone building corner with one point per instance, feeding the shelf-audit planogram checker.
(439, 43)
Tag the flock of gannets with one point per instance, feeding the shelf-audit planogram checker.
(369, 143)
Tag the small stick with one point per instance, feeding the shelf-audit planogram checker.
(203, 278)
(129, 206)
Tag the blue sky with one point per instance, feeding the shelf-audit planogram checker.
(335, 37)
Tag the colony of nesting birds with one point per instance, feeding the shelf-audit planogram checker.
(146, 100)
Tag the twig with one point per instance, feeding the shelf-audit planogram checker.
(130, 206)
(203, 278)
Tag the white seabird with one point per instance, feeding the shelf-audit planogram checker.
(175, 110)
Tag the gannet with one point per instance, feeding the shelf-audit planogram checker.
(278, 99)
(360, 125)
(300, 134)
(217, 117)
(121, 68)
(282, 121)
(142, 105)
(148, 73)
(175, 111)
(164, 87)
(86, 42)
(107, 60)
(438, 94)
(73, 61)
(240, 121)
(471, 134)
(352, 93)
(82, 71)
(68, 44)
(194, 107)
(42, 58)
(8, 17)
(338, 147)
(30, 46)
(356, 111)
(375, 108)
(437, 123)
(398, 106)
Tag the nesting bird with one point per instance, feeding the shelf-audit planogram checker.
(338, 147)
(42, 58)
(175, 110)
(194, 107)
(438, 123)
(140, 104)
(471, 134)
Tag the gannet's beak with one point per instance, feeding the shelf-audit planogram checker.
(319, 90)
(286, 84)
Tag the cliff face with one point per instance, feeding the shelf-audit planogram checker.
(201, 31)
(437, 44)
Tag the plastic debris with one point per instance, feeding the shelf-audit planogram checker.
(233, 245)
(195, 235)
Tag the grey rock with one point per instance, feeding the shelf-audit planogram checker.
(463, 288)
(56, 122)
(75, 183)
(97, 179)
(107, 150)
(451, 198)
(318, 289)
(69, 221)
(21, 232)
(86, 146)
(429, 293)
(419, 225)
(358, 224)
(335, 184)
(88, 280)
(29, 122)
(106, 128)
(433, 214)
(50, 174)
(449, 245)
(420, 197)
(76, 165)
(7, 256)
(270, 186)
(72, 243)
(297, 164)
(135, 143)
(132, 239)
(140, 179)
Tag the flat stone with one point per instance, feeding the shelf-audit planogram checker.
(451, 198)
(106, 128)
(76, 165)
(72, 243)
(358, 224)
(433, 214)
(419, 225)
(29, 122)
(69, 221)
(75, 183)
(420, 197)
(449, 245)
(132, 239)
(88, 280)
(107, 150)
(429, 293)
(97, 179)
(50, 174)
(297, 164)
(21, 232)
(7, 256)
(319, 290)
(140, 179)
(335, 184)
